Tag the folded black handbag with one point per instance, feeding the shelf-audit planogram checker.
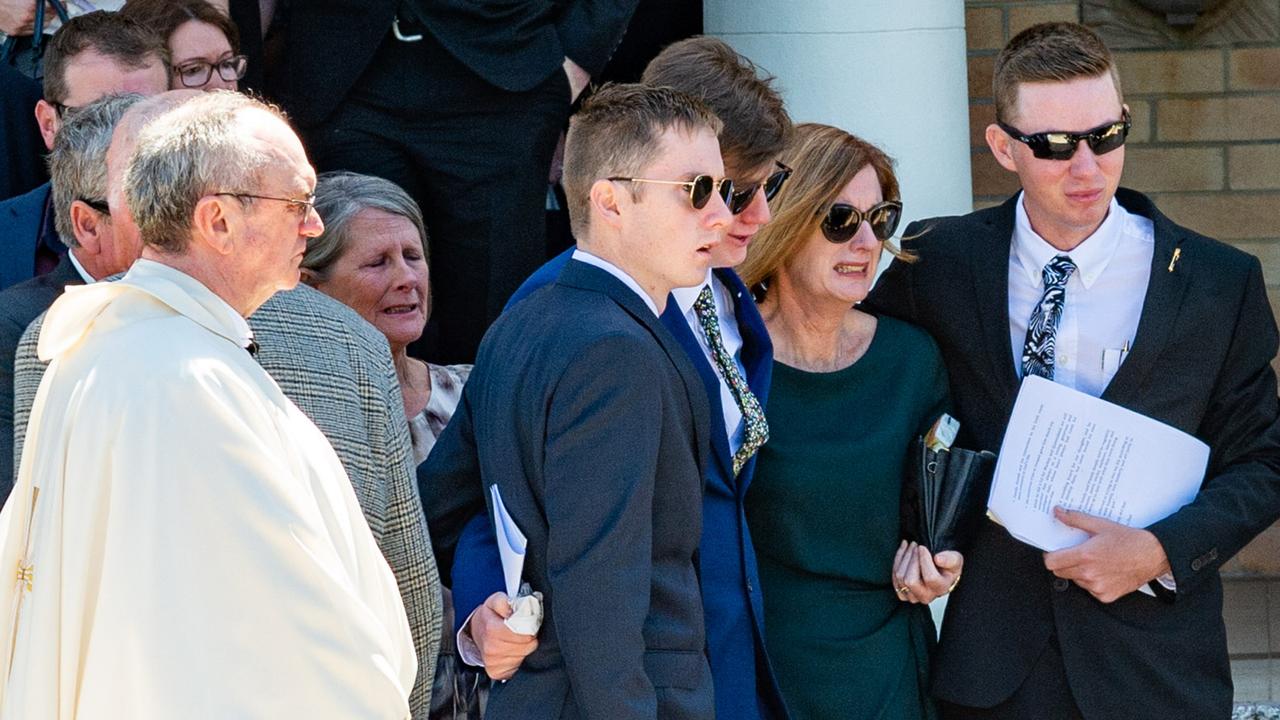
(943, 494)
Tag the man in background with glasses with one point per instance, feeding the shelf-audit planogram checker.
(91, 56)
(1087, 284)
(585, 426)
(721, 331)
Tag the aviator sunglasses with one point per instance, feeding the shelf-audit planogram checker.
(772, 184)
(700, 188)
(1059, 145)
(842, 221)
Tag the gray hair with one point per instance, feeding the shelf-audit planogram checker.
(185, 154)
(340, 196)
(78, 161)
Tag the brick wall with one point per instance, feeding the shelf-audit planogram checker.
(1205, 144)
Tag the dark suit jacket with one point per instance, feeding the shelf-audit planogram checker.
(585, 413)
(511, 44)
(1200, 362)
(19, 305)
(21, 147)
(22, 225)
(731, 599)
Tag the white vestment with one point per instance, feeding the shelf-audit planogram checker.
(193, 546)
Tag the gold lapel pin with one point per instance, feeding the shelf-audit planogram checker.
(1177, 253)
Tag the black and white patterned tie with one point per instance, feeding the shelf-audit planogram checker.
(1038, 351)
(756, 427)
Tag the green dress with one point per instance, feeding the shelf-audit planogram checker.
(823, 513)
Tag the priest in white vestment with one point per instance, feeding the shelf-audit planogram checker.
(183, 541)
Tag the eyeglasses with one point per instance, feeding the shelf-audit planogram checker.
(62, 110)
(1061, 145)
(198, 73)
(303, 207)
(772, 184)
(842, 221)
(99, 206)
(700, 188)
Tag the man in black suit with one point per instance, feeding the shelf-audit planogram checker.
(1091, 286)
(78, 166)
(460, 103)
(587, 420)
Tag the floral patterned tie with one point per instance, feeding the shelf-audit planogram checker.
(756, 430)
(1038, 351)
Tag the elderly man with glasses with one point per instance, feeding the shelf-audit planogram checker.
(177, 522)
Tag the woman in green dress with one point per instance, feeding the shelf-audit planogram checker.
(846, 616)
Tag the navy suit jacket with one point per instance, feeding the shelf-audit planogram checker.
(24, 225)
(744, 681)
(586, 415)
(19, 305)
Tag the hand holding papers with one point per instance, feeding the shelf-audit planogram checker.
(526, 605)
(1064, 448)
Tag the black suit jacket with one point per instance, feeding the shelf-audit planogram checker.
(588, 417)
(511, 44)
(1200, 362)
(19, 305)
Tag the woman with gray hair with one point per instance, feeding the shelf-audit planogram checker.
(372, 257)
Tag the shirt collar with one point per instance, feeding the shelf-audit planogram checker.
(583, 256)
(685, 297)
(1091, 256)
(75, 263)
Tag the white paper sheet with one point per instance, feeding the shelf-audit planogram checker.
(1064, 448)
(511, 543)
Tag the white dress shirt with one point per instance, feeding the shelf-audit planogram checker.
(84, 274)
(1103, 299)
(1102, 304)
(730, 335)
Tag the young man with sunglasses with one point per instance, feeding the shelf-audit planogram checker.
(718, 326)
(584, 425)
(1089, 285)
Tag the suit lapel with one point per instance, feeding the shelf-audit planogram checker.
(1160, 306)
(587, 277)
(989, 263)
(673, 319)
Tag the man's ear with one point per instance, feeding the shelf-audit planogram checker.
(49, 122)
(606, 202)
(214, 224)
(1001, 147)
(87, 225)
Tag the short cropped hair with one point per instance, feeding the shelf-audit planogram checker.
(122, 39)
(165, 16)
(185, 154)
(78, 161)
(340, 196)
(1048, 52)
(756, 124)
(615, 133)
(825, 159)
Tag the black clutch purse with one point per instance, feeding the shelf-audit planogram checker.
(943, 495)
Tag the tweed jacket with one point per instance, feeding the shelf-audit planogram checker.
(337, 369)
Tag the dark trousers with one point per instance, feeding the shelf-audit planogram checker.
(1044, 695)
(475, 158)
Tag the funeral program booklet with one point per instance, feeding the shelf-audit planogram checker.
(1066, 449)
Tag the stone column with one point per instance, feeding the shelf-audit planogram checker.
(890, 71)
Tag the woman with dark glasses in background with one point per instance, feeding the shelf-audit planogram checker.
(203, 42)
(846, 616)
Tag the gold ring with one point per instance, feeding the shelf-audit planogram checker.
(954, 583)
(904, 591)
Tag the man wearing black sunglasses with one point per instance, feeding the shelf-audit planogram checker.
(720, 329)
(1090, 286)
